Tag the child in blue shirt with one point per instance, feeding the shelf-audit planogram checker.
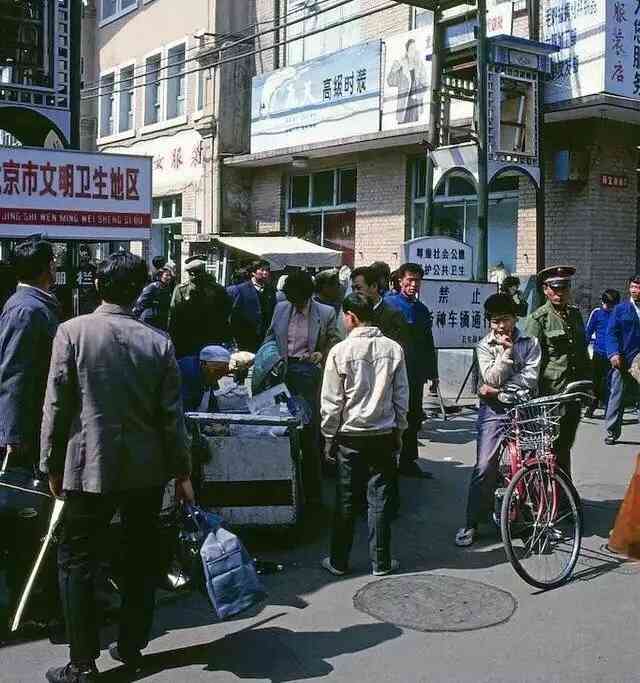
(596, 334)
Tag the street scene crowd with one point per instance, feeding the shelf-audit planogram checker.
(97, 403)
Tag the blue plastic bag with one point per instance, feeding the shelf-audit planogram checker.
(230, 576)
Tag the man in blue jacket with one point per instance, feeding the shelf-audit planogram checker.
(623, 344)
(27, 327)
(253, 304)
(421, 360)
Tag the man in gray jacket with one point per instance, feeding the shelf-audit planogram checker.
(113, 435)
(365, 399)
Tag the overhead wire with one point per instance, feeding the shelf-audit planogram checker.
(141, 71)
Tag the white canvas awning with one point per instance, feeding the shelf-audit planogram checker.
(284, 251)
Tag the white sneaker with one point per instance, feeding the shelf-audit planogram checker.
(465, 537)
(395, 565)
(326, 564)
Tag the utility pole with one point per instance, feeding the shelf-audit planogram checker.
(434, 121)
(483, 171)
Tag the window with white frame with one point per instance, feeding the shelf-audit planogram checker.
(455, 213)
(112, 9)
(422, 17)
(327, 41)
(127, 98)
(107, 104)
(176, 82)
(153, 90)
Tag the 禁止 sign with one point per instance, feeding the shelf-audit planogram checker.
(441, 257)
(333, 96)
(457, 310)
(618, 181)
(69, 195)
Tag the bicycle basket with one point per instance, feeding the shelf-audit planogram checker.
(534, 426)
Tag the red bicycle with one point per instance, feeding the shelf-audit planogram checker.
(539, 508)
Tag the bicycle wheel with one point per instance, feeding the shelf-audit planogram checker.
(541, 525)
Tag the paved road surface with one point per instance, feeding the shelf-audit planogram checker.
(309, 629)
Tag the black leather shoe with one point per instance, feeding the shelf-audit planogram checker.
(72, 673)
(611, 438)
(412, 469)
(132, 660)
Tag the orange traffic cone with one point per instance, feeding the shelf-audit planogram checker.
(625, 537)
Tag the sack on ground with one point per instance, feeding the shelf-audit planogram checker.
(230, 575)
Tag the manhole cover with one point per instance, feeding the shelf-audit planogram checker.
(435, 603)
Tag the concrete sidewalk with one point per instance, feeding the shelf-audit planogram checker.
(586, 631)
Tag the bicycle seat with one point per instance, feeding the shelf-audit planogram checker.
(584, 386)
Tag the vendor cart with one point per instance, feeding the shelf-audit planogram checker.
(251, 469)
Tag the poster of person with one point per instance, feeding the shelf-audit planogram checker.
(407, 78)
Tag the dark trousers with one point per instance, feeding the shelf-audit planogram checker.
(601, 367)
(373, 456)
(621, 385)
(409, 451)
(87, 517)
(568, 427)
(491, 427)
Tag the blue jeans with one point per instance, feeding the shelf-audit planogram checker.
(373, 457)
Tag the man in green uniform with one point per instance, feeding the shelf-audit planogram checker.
(559, 327)
(199, 311)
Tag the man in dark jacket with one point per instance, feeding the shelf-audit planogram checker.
(199, 311)
(113, 435)
(27, 327)
(152, 306)
(252, 308)
(422, 364)
(390, 321)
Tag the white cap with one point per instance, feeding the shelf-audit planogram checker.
(215, 354)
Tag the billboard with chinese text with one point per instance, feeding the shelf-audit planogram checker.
(457, 310)
(578, 28)
(333, 96)
(71, 195)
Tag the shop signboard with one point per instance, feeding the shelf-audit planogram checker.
(441, 257)
(457, 311)
(330, 97)
(583, 32)
(74, 195)
(622, 45)
(179, 160)
(407, 78)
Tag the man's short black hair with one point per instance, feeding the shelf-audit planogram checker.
(611, 297)
(635, 279)
(359, 305)
(32, 259)
(411, 269)
(158, 262)
(498, 305)
(369, 275)
(299, 287)
(383, 272)
(510, 281)
(121, 277)
(258, 265)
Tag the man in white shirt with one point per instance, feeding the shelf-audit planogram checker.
(364, 404)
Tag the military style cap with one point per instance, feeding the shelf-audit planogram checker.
(194, 263)
(556, 275)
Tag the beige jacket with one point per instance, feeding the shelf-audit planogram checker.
(365, 388)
